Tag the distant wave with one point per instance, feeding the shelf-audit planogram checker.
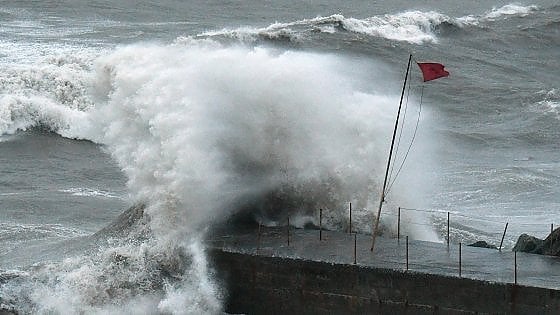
(416, 27)
(510, 10)
(88, 192)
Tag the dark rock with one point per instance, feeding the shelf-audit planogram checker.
(483, 244)
(528, 244)
(133, 219)
(551, 245)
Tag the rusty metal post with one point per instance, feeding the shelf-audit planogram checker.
(503, 235)
(320, 224)
(447, 228)
(460, 262)
(399, 225)
(355, 253)
(407, 255)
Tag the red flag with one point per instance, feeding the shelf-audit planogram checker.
(432, 70)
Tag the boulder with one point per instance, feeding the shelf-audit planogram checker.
(482, 244)
(528, 244)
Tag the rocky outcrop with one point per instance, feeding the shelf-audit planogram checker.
(132, 220)
(530, 244)
(551, 244)
(483, 244)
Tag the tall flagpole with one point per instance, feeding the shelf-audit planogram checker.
(382, 199)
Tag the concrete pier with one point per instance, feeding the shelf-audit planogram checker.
(265, 275)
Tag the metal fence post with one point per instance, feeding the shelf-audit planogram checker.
(259, 238)
(460, 262)
(320, 224)
(515, 266)
(399, 226)
(288, 231)
(407, 253)
(350, 220)
(447, 228)
(503, 235)
(355, 253)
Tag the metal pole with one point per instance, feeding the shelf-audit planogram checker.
(288, 231)
(355, 248)
(448, 229)
(460, 262)
(503, 235)
(320, 224)
(407, 253)
(515, 266)
(350, 222)
(399, 225)
(551, 227)
(382, 197)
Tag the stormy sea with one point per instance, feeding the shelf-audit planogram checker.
(189, 114)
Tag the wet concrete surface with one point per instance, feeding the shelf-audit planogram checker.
(423, 257)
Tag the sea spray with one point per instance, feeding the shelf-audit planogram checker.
(203, 131)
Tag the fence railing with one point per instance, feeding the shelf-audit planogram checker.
(287, 240)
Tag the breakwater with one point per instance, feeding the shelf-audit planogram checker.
(264, 274)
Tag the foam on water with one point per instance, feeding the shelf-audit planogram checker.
(511, 9)
(89, 192)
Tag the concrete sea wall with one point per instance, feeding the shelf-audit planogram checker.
(264, 284)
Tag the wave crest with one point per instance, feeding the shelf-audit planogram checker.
(51, 95)
(413, 26)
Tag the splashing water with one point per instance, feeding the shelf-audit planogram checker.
(203, 131)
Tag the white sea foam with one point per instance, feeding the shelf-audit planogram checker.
(50, 92)
(88, 192)
(510, 10)
(201, 129)
(549, 104)
(15, 232)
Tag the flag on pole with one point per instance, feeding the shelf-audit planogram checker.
(432, 70)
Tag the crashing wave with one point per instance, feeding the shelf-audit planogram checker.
(413, 26)
(51, 95)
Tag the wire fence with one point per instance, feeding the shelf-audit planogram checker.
(404, 253)
(487, 229)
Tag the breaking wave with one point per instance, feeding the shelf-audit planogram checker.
(50, 94)
(416, 27)
(413, 26)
